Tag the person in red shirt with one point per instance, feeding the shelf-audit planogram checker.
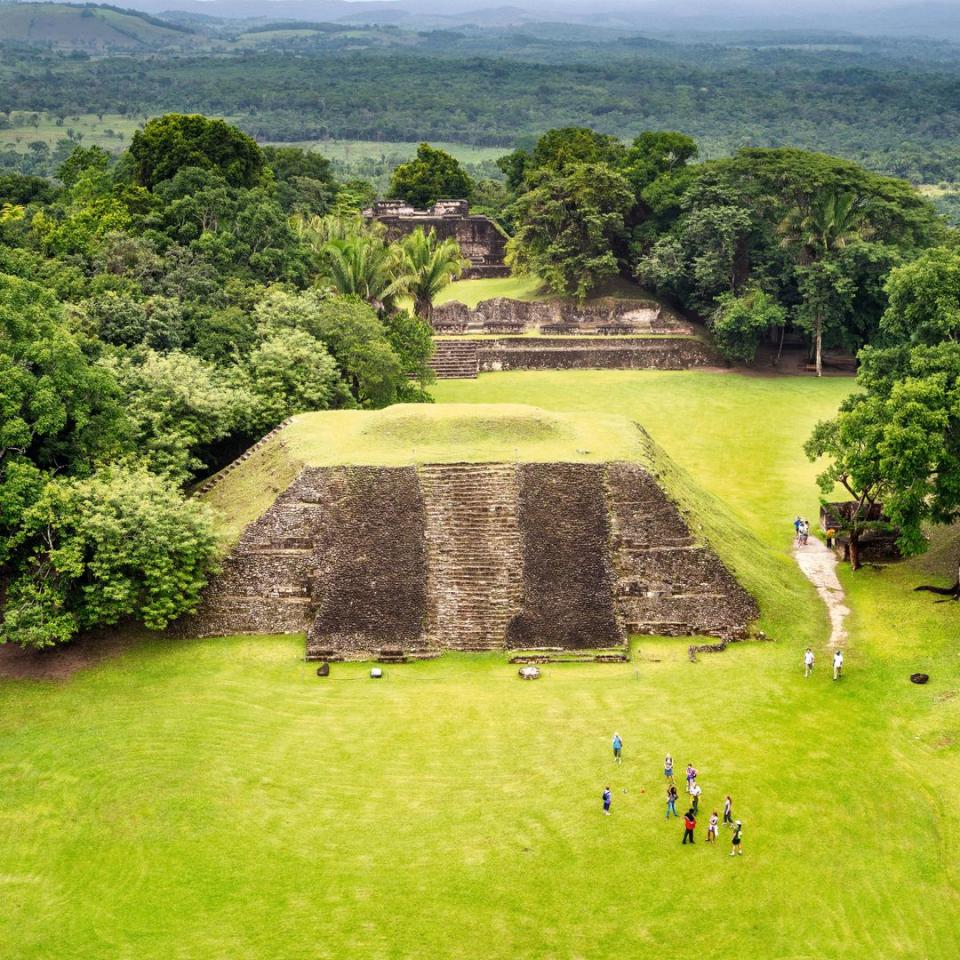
(689, 824)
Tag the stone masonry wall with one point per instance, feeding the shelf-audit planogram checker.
(642, 316)
(471, 556)
(568, 595)
(667, 584)
(615, 353)
(369, 583)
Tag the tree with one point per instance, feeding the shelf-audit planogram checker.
(431, 176)
(924, 299)
(820, 231)
(569, 227)
(558, 149)
(180, 406)
(82, 159)
(352, 332)
(362, 265)
(172, 142)
(897, 441)
(427, 265)
(739, 322)
(90, 552)
(58, 413)
(291, 372)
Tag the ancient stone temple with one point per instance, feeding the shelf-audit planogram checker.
(472, 556)
(481, 241)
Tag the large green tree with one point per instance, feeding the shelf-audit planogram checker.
(430, 176)
(570, 227)
(58, 412)
(90, 552)
(175, 141)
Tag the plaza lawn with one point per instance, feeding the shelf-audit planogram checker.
(215, 799)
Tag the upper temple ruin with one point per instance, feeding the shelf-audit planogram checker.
(481, 241)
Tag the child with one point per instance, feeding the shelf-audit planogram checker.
(695, 792)
(728, 811)
(808, 662)
(838, 665)
(691, 777)
(607, 798)
(672, 801)
(712, 828)
(668, 768)
(689, 824)
(737, 844)
(617, 748)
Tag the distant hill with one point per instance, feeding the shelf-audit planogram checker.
(89, 27)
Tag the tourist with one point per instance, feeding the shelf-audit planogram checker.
(691, 776)
(712, 827)
(737, 841)
(695, 792)
(728, 811)
(607, 798)
(804, 532)
(838, 665)
(689, 824)
(672, 801)
(617, 748)
(808, 662)
(796, 528)
(668, 768)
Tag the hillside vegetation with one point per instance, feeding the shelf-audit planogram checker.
(91, 27)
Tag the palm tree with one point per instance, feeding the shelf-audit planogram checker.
(364, 266)
(428, 265)
(825, 227)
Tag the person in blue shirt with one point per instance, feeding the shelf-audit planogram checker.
(607, 798)
(617, 748)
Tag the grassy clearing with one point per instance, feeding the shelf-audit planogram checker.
(216, 799)
(471, 292)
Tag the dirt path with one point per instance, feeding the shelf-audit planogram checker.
(819, 566)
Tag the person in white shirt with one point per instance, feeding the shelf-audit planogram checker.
(837, 665)
(808, 662)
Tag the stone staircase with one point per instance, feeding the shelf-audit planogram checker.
(473, 553)
(455, 360)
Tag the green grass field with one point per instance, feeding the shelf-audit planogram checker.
(215, 799)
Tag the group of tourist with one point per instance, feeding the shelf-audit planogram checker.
(694, 791)
(801, 528)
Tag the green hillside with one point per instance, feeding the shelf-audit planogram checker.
(91, 27)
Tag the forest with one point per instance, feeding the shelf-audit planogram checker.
(895, 109)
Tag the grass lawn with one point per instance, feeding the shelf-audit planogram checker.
(471, 292)
(215, 799)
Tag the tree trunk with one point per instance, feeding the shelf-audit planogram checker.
(819, 337)
(783, 333)
(854, 549)
(424, 310)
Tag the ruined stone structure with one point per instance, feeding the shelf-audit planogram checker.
(465, 357)
(605, 316)
(372, 560)
(481, 240)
